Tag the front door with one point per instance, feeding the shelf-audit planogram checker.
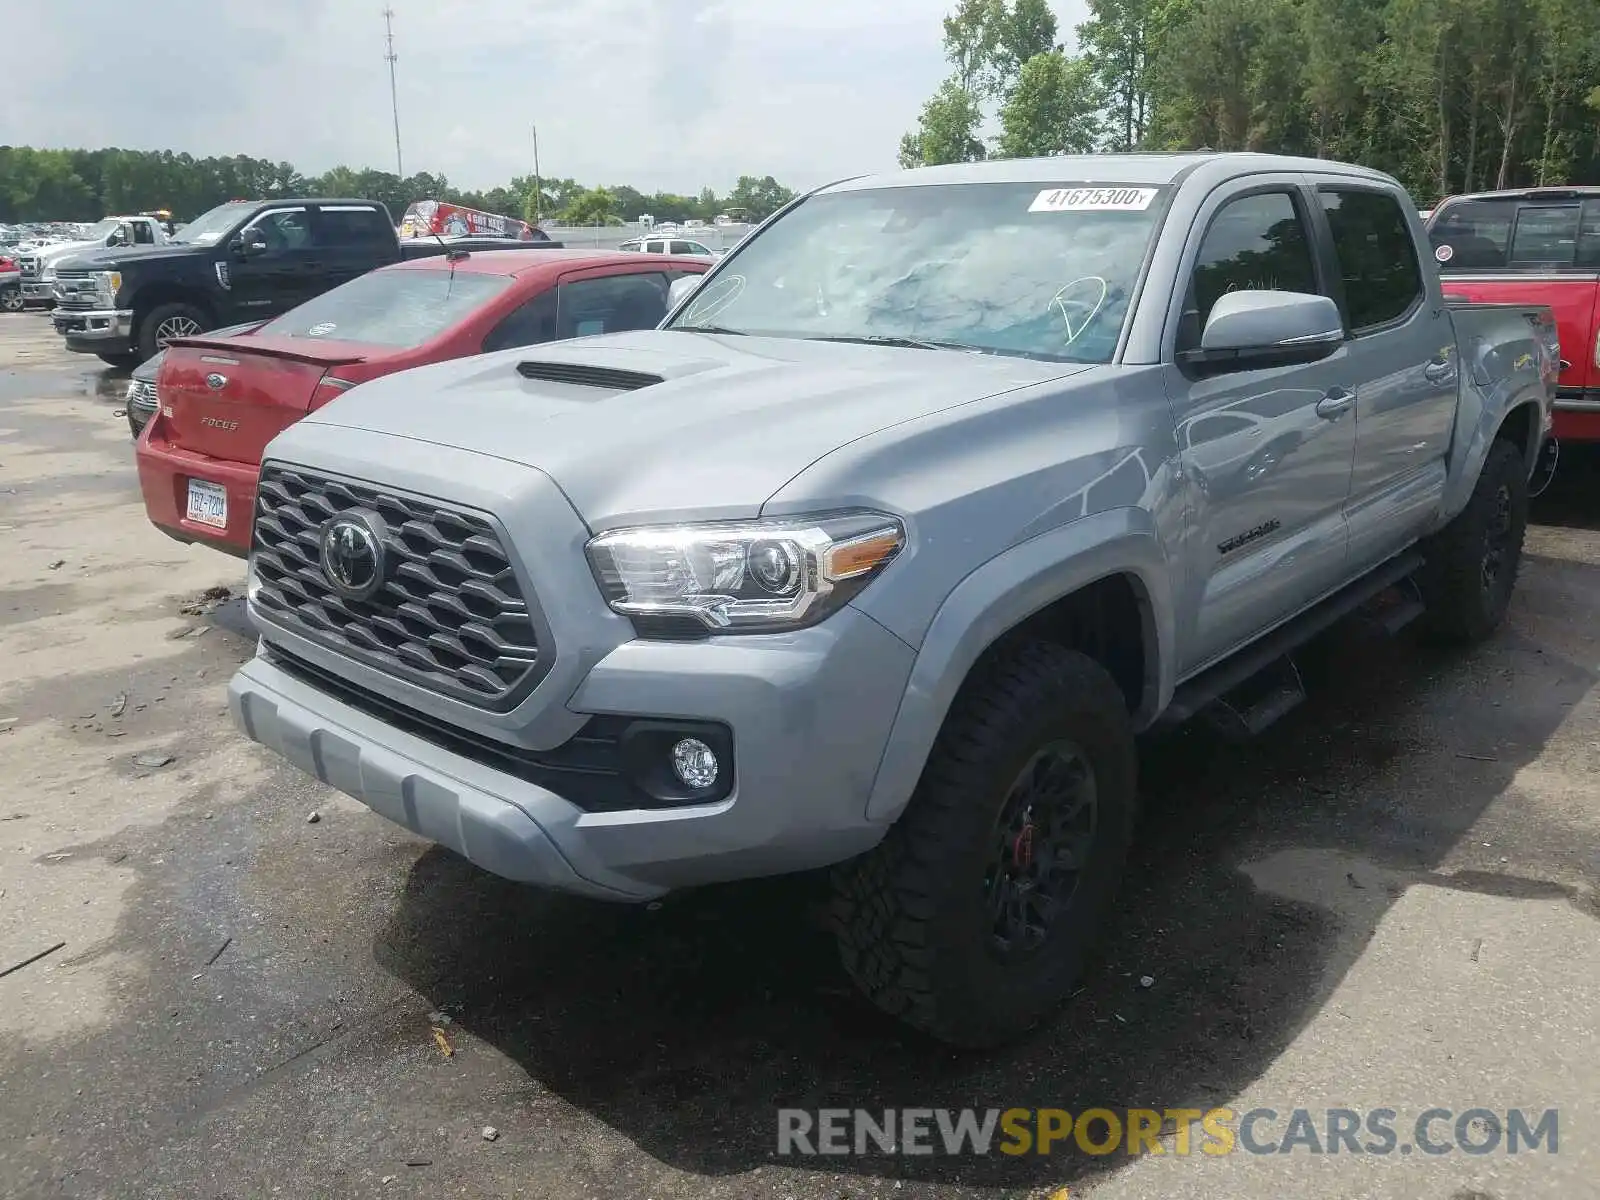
(275, 278)
(1266, 451)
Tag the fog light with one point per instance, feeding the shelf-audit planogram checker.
(694, 763)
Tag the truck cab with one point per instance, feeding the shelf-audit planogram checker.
(39, 266)
(241, 261)
(1540, 246)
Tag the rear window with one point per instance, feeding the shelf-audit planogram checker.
(1516, 234)
(390, 308)
(1473, 235)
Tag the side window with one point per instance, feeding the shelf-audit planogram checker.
(1377, 258)
(655, 247)
(526, 325)
(1254, 242)
(352, 227)
(143, 234)
(1545, 236)
(285, 229)
(610, 304)
(1472, 235)
(1589, 236)
(684, 248)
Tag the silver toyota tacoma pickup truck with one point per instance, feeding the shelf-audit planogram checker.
(878, 554)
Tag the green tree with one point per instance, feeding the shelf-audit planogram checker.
(947, 131)
(1120, 40)
(1054, 108)
(593, 207)
(973, 42)
(759, 197)
(1029, 29)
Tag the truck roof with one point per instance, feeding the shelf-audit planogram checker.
(1551, 192)
(1142, 168)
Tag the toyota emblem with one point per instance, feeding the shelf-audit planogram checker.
(216, 382)
(353, 556)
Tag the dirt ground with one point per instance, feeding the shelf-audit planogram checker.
(1389, 900)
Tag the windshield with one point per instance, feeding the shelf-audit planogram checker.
(101, 230)
(209, 226)
(1024, 269)
(390, 308)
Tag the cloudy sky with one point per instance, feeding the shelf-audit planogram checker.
(672, 94)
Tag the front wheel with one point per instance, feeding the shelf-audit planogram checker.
(11, 300)
(1471, 564)
(973, 918)
(165, 322)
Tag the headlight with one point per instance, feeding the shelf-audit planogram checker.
(108, 282)
(47, 274)
(749, 577)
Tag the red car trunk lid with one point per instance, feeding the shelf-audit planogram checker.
(228, 398)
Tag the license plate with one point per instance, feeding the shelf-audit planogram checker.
(208, 503)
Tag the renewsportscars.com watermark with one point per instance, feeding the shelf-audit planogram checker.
(1213, 1132)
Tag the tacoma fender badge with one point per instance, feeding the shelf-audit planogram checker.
(1249, 535)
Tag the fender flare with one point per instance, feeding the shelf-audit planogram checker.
(998, 596)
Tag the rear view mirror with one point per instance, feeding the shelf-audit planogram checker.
(1269, 328)
(680, 289)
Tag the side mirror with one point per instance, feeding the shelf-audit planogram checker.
(247, 242)
(1269, 328)
(680, 289)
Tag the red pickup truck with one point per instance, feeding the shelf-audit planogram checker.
(1542, 246)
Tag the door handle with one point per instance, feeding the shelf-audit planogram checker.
(1335, 403)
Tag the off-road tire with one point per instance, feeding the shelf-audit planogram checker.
(1465, 602)
(911, 916)
(126, 360)
(150, 329)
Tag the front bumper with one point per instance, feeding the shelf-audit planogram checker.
(95, 331)
(809, 713)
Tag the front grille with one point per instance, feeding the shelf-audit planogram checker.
(142, 395)
(451, 617)
(78, 291)
(29, 267)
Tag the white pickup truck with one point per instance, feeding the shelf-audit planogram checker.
(39, 266)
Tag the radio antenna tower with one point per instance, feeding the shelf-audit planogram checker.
(394, 103)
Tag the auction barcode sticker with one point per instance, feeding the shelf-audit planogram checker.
(1101, 199)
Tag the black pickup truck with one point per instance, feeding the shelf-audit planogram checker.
(242, 261)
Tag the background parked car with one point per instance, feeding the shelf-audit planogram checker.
(674, 245)
(221, 399)
(1535, 246)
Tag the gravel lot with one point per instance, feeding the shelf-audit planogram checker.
(1389, 900)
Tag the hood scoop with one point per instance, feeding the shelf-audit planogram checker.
(584, 375)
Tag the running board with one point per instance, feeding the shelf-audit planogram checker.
(1198, 693)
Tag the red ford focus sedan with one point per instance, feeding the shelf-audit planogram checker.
(220, 400)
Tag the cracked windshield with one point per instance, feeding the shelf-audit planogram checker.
(1019, 269)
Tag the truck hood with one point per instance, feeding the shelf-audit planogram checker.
(114, 257)
(51, 255)
(709, 427)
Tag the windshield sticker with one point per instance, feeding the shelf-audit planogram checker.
(1443, 253)
(1093, 200)
(322, 329)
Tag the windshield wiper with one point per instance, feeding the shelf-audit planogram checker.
(884, 339)
(706, 329)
